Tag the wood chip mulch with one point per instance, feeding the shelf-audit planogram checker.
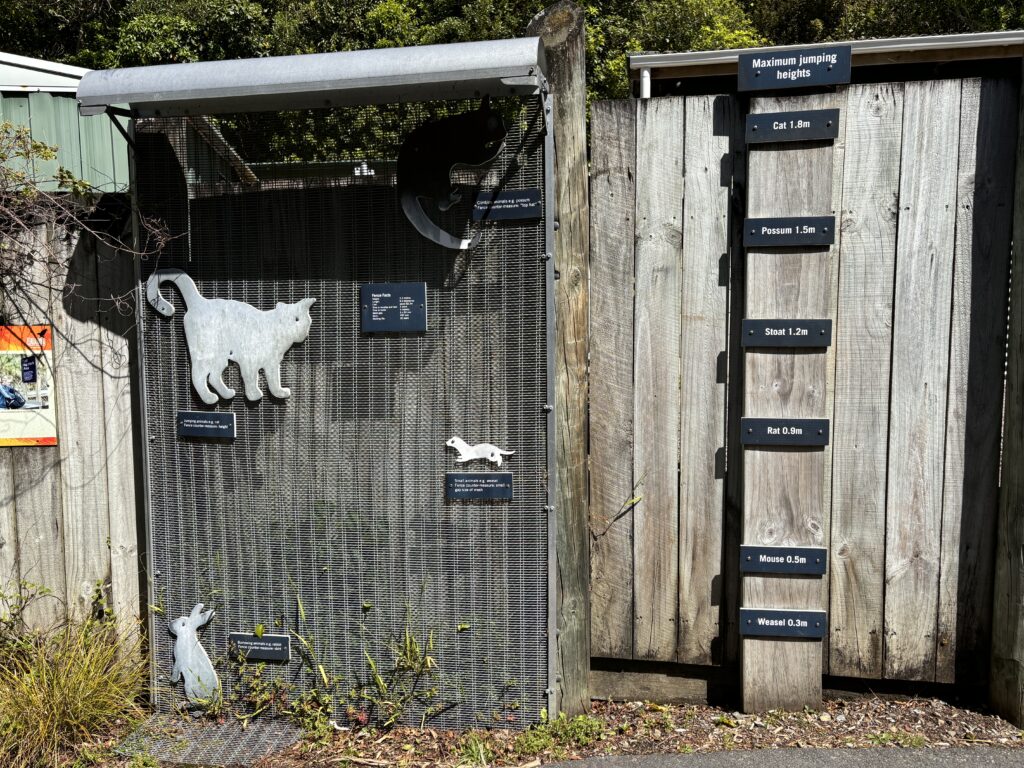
(646, 728)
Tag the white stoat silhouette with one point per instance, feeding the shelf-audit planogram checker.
(469, 452)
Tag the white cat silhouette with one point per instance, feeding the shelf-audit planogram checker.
(469, 452)
(219, 331)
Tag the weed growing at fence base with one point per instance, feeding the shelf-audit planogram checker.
(63, 687)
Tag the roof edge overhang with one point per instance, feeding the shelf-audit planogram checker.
(877, 52)
(416, 73)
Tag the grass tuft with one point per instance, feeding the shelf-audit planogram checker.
(62, 687)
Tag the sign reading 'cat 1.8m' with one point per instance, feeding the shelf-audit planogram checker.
(807, 125)
(794, 68)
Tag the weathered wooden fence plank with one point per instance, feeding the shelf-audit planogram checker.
(784, 487)
(863, 333)
(1006, 674)
(115, 280)
(920, 374)
(561, 28)
(612, 205)
(988, 127)
(9, 572)
(659, 209)
(77, 361)
(710, 124)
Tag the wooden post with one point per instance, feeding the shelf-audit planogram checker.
(1007, 671)
(561, 27)
(784, 487)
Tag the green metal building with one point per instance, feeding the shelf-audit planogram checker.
(41, 95)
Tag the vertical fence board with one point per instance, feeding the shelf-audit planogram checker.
(1006, 675)
(784, 487)
(115, 281)
(710, 124)
(988, 128)
(9, 572)
(863, 338)
(612, 205)
(78, 371)
(659, 209)
(920, 368)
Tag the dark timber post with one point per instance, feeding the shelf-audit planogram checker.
(1007, 672)
(561, 28)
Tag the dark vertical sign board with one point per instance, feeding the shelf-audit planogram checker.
(804, 561)
(510, 204)
(775, 622)
(794, 68)
(813, 432)
(787, 333)
(261, 648)
(809, 125)
(788, 231)
(28, 369)
(393, 307)
(220, 426)
(478, 486)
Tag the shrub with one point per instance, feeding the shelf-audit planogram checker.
(63, 687)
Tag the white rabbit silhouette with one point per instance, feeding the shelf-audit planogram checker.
(202, 686)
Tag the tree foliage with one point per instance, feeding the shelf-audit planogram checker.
(113, 33)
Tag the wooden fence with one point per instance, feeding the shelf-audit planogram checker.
(68, 513)
(921, 185)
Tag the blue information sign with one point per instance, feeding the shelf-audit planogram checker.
(773, 622)
(771, 70)
(393, 307)
(28, 369)
(478, 486)
(206, 424)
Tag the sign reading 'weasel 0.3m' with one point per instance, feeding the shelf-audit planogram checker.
(801, 68)
(772, 622)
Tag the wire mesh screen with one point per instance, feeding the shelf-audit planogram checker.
(326, 516)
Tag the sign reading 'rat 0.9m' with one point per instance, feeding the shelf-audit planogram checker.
(769, 71)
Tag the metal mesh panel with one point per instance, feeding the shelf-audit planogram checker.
(331, 503)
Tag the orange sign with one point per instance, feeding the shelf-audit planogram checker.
(27, 395)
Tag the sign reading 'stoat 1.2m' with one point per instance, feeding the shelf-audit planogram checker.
(795, 68)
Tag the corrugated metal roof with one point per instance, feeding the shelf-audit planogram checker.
(21, 73)
(418, 73)
(877, 52)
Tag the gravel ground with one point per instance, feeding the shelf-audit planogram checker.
(639, 728)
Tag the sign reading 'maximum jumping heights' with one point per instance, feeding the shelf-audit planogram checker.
(794, 68)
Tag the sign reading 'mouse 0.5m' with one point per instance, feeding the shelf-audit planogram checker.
(794, 68)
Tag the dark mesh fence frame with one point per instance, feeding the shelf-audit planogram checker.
(330, 504)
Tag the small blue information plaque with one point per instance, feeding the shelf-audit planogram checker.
(478, 486)
(754, 431)
(799, 68)
(808, 125)
(264, 647)
(206, 424)
(805, 561)
(787, 333)
(777, 622)
(393, 307)
(509, 204)
(28, 369)
(789, 231)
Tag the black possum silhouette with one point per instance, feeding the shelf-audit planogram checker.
(430, 153)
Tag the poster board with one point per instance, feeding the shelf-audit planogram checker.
(27, 396)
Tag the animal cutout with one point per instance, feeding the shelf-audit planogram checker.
(202, 686)
(469, 452)
(219, 331)
(430, 153)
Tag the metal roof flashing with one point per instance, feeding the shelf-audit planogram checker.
(417, 73)
(877, 52)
